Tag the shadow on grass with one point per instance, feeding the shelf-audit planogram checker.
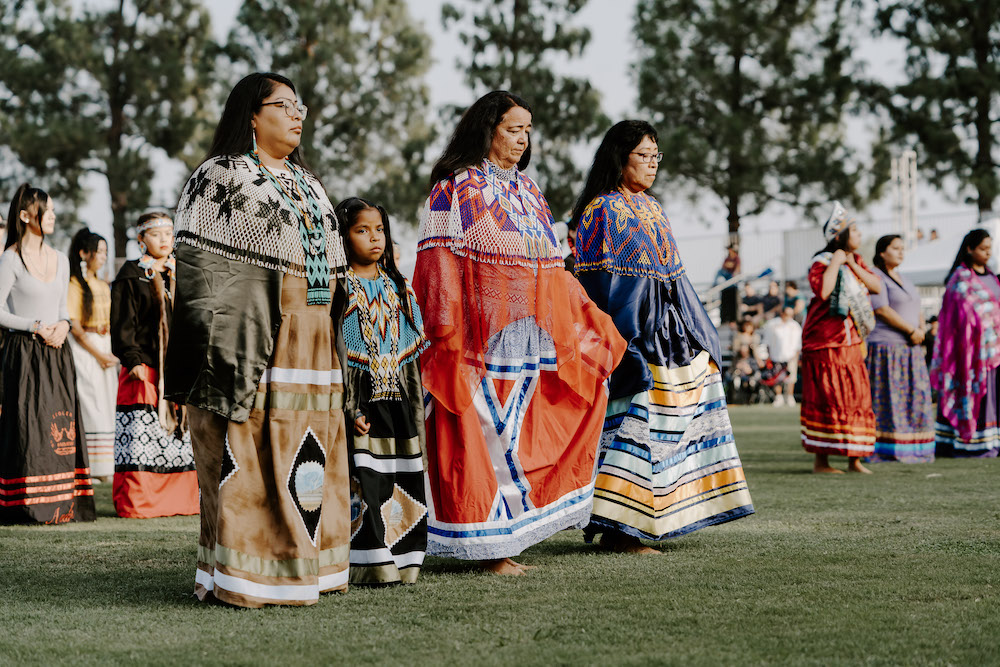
(752, 470)
(116, 587)
(548, 551)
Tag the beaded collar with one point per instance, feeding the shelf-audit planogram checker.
(508, 174)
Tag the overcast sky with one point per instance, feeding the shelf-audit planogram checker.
(607, 63)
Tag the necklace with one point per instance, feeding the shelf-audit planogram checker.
(288, 195)
(313, 235)
(34, 262)
(381, 314)
(508, 174)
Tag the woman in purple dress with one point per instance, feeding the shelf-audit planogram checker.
(901, 387)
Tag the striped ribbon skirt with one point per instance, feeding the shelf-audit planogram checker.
(836, 414)
(44, 471)
(668, 463)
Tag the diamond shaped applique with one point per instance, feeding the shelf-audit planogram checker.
(400, 513)
(358, 507)
(305, 482)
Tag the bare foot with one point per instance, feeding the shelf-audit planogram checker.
(854, 465)
(822, 465)
(510, 561)
(626, 544)
(501, 567)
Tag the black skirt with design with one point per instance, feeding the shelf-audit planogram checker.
(44, 473)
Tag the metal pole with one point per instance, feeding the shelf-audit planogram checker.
(911, 184)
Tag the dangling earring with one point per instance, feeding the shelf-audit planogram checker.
(253, 139)
(142, 246)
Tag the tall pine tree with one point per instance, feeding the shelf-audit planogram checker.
(359, 65)
(100, 89)
(950, 103)
(512, 46)
(750, 97)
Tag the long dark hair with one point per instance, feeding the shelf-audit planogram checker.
(347, 212)
(233, 134)
(880, 247)
(32, 200)
(610, 159)
(964, 256)
(470, 144)
(84, 241)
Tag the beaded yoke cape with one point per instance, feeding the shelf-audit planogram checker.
(229, 208)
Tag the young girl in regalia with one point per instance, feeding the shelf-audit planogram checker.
(383, 334)
(89, 305)
(154, 465)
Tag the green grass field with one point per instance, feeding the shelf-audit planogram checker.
(900, 567)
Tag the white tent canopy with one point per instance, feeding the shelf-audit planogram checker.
(928, 263)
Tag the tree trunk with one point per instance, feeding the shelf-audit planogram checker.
(983, 174)
(116, 128)
(735, 166)
(515, 42)
(118, 181)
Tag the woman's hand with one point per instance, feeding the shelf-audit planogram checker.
(60, 330)
(47, 333)
(917, 336)
(361, 425)
(106, 360)
(137, 372)
(840, 257)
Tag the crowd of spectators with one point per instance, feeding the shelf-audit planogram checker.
(765, 341)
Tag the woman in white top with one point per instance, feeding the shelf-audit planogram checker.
(44, 473)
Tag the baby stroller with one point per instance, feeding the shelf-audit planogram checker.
(771, 375)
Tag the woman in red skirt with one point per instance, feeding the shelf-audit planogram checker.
(837, 415)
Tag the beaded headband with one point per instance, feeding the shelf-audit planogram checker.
(158, 221)
(836, 223)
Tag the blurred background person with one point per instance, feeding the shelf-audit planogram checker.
(753, 303)
(836, 414)
(89, 306)
(967, 353)
(771, 303)
(897, 369)
(730, 265)
(729, 297)
(744, 374)
(795, 300)
(930, 336)
(44, 469)
(746, 334)
(783, 337)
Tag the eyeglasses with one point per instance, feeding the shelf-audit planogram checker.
(291, 108)
(648, 157)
